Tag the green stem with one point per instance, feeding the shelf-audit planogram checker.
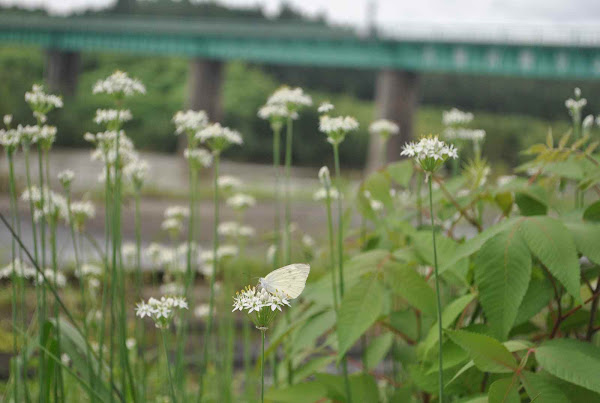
(262, 368)
(331, 249)
(211, 302)
(91, 374)
(288, 208)
(340, 247)
(139, 330)
(171, 387)
(419, 200)
(16, 372)
(276, 169)
(437, 291)
(107, 277)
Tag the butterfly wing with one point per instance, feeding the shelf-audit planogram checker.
(289, 279)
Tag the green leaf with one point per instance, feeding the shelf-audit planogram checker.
(571, 360)
(505, 390)
(541, 389)
(378, 349)
(360, 308)
(299, 393)
(587, 238)
(592, 212)
(550, 241)
(488, 354)
(401, 172)
(538, 294)
(449, 315)
(312, 366)
(502, 274)
(472, 245)
(530, 206)
(314, 327)
(378, 184)
(410, 285)
(362, 387)
(446, 249)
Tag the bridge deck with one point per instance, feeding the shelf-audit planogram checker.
(309, 44)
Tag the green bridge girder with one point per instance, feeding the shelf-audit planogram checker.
(300, 44)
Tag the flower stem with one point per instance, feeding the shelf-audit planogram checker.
(331, 250)
(437, 291)
(139, 330)
(262, 368)
(14, 285)
(171, 387)
(336, 157)
(276, 169)
(288, 208)
(211, 301)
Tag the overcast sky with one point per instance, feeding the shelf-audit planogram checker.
(389, 12)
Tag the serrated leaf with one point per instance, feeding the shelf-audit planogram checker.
(488, 354)
(505, 390)
(550, 241)
(312, 366)
(299, 393)
(538, 295)
(587, 238)
(410, 285)
(360, 308)
(530, 206)
(571, 360)
(362, 387)
(502, 274)
(541, 389)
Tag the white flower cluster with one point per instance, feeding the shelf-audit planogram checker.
(218, 138)
(161, 310)
(119, 84)
(475, 135)
(160, 255)
(174, 216)
(276, 113)
(325, 107)
(46, 203)
(260, 304)
(429, 152)
(42, 102)
(224, 251)
(235, 230)
(384, 128)
(57, 279)
(105, 116)
(21, 269)
(228, 183)
(292, 98)
(10, 139)
(321, 194)
(189, 121)
(324, 176)
(241, 201)
(106, 144)
(456, 117)
(66, 177)
(81, 211)
(336, 128)
(30, 134)
(576, 105)
(89, 270)
(198, 157)
(7, 119)
(136, 171)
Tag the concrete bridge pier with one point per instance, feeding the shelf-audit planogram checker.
(396, 99)
(205, 82)
(62, 71)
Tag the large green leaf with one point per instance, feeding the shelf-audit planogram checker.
(362, 388)
(550, 241)
(502, 273)
(541, 389)
(446, 249)
(538, 294)
(472, 245)
(306, 335)
(410, 285)
(312, 366)
(587, 238)
(378, 184)
(488, 354)
(505, 390)
(571, 360)
(360, 308)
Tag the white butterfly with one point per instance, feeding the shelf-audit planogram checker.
(289, 280)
